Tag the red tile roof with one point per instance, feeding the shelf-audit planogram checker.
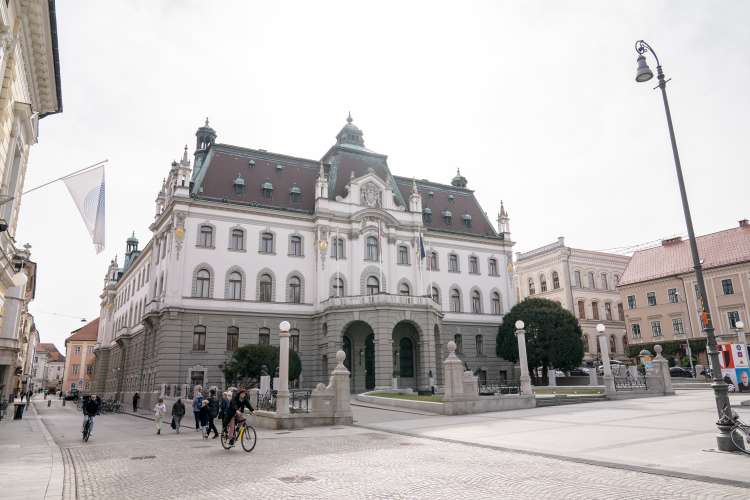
(52, 353)
(731, 246)
(87, 332)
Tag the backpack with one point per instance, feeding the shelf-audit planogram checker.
(213, 407)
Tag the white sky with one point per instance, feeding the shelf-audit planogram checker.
(535, 101)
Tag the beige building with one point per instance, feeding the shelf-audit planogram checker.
(582, 281)
(29, 91)
(659, 288)
(79, 358)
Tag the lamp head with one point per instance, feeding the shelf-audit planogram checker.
(643, 73)
(740, 325)
(284, 326)
(519, 325)
(600, 328)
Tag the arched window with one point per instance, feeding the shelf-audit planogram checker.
(532, 288)
(555, 280)
(205, 237)
(435, 294)
(372, 248)
(266, 242)
(542, 283)
(432, 264)
(237, 239)
(233, 338)
(295, 246)
(295, 289)
(264, 336)
(266, 288)
(403, 289)
(476, 302)
(203, 284)
(373, 285)
(496, 304)
(406, 357)
(235, 286)
(427, 216)
(267, 190)
(199, 338)
(403, 255)
(455, 305)
(337, 287)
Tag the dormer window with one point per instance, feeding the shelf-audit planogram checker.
(467, 220)
(451, 198)
(447, 217)
(295, 194)
(279, 168)
(251, 163)
(431, 194)
(267, 189)
(427, 216)
(239, 185)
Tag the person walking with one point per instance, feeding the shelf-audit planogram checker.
(203, 415)
(136, 397)
(159, 411)
(197, 403)
(226, 397)
(178, 411)
(214, 407)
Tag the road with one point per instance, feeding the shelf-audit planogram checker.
(125, 459)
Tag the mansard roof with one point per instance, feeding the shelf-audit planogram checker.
(458, 201)
(86, 333)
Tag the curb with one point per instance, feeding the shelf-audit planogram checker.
(57, 472)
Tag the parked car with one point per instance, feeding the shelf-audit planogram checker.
(578, 372)
(677, 371)
(616, 366)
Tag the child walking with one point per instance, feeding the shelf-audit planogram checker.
(159, 411)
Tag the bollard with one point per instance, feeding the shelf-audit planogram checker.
(49, 403)
(63, 401)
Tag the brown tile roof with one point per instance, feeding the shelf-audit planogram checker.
(52, 353)
(87, 332)
(723, 248)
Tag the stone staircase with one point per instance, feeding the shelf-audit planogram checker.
(559, 400)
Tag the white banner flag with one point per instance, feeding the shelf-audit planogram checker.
(87, 190)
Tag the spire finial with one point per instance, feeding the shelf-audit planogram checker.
(185, 155)
(206, 121)
(349, 118)
(414, 185)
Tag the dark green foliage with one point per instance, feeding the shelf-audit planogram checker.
(669, 347)
(247, 361)
(553, 335)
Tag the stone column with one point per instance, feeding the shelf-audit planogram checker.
(282, 393)
(662, 369)
(383, 358)
(522, 359)
(552, 377)
(609, 380)
(340, 377)
(453, 369)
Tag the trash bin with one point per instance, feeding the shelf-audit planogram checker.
(18, 415)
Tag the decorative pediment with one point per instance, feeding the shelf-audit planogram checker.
(369, 191)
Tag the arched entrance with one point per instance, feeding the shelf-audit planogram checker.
(358, 342)
(405, 354)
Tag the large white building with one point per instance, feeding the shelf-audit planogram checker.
(585, 283)
(247, 238)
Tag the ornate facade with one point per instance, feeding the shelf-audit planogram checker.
(387, 268)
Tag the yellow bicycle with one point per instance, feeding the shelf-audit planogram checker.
(244, 433)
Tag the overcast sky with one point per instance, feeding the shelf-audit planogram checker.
(535, 101)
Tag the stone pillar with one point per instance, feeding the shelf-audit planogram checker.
(453, 369)
(523, 360)
(552, 377)
(282, 393)
(383, 344)
(609, 380)
(661, 367)
(340, 378)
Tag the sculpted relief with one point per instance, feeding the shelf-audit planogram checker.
(370, 195)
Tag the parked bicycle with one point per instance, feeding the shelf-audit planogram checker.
(740, 435)
(243, 432)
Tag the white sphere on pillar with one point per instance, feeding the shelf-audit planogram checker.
(284, 326)
(600, 328)
(519, 325)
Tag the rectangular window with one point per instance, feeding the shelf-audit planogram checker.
(233, 338)
(459, 340)
(403, 255)
(89, 369)
(266, 243)
(734, 317)
(90, 349)
(677, 326)
(237, 241)
(480, 345)
(631, 302)
(608, 311)
(294, 340)
(581, 309)
(672, 295)
(605, 283)
(620, 312)
(656, 328)
(264, 336)
(578, 278)
(295, 246)
(727, 287)
(493, 267)
(651, 298)
(453, 263)
(595, 309)
(337, 248)
(473, 265)
(199, 338)
(636, 329)
(78, 349)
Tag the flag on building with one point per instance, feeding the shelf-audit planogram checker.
(87, 190)
(422, 253)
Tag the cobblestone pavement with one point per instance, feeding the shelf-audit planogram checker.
(125, 459)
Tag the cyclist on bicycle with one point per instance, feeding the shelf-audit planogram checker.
(90, 410)
(234, 415)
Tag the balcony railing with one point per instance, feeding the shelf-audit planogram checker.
(380, 299)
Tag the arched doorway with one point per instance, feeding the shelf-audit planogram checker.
(358, 342)
(405, 355)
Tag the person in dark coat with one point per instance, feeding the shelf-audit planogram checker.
(178, 411)
(213, 411)
(197, 403)
(203, 416)
(136, 397)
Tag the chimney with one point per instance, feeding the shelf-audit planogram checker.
(671, 241)
(744, 223)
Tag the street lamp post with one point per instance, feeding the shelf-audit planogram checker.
(724, 423)
(740, 327)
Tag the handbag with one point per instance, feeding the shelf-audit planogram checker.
(173, 425)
